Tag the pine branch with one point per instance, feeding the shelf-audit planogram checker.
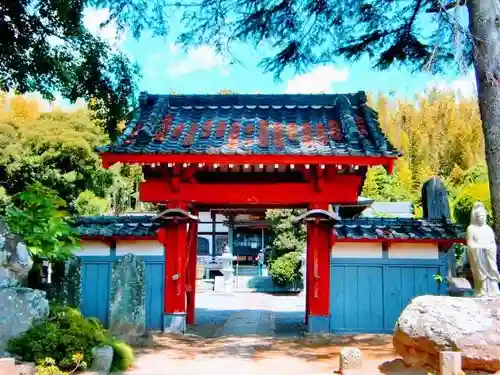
(437, 8)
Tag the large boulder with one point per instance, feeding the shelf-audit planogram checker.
(20, 309)
(431, 324)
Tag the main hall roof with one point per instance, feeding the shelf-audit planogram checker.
(329, 125)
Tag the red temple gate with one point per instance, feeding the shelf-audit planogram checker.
(240, 151)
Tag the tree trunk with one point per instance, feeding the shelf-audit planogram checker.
(484, 22)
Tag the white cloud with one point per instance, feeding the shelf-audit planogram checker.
(173, 49)
(200, 58)
(93, 19)
(316, 81)
(465, 86)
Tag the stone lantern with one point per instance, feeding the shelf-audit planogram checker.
(227, 270)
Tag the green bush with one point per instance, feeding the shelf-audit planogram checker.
(476, 192)
(285, 270)
(65, 333)
(123, 355)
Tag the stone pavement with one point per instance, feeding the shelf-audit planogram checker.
(270, 315)
(248, 323)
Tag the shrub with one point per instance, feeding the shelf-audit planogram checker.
(123, 355)
(466, 199)
(65, 333)
(47, 366)
(285, 270)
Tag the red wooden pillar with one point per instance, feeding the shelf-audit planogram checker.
(191, 271)
(174, 236)
(319, 240)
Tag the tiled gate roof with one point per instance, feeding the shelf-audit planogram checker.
(351, 229)
(330, 125)
(398, 229)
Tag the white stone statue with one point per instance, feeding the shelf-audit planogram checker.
(482, 253)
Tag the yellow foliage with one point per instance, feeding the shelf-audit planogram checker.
(439, 134)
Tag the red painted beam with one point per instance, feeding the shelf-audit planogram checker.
(341, 189)
(109, 159)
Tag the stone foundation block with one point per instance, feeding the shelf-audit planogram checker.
(450, 363)
(350, 359)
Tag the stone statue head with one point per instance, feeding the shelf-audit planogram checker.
(478, 215)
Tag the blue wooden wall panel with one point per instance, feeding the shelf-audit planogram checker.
(154, 295)
(95, 290)
(338, 294)
(96, 287)
(367, 296)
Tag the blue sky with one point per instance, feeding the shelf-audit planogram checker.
(165, 68)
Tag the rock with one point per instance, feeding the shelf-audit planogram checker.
(101, 359)
(127, 311)
(459, 283)
(20, 309)
(8, 366)
(432, 324)
(27, 368)
(15, 261)
(350, 358)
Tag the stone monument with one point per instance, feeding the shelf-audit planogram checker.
(482, 254)
(127, 310)
(20, 307)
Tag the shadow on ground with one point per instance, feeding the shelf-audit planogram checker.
(208, 321)
(315, 348)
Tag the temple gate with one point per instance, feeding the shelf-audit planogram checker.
(249, 151)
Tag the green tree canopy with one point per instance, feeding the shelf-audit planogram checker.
(88, 203)
(38, 216)
(53, 148)
(46, 48)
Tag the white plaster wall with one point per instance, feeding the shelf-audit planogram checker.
(357, 250)
(92, 248)
(413, 251)
(149, 247)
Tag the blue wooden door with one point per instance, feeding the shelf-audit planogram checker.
(368, 298)
(95, 290)
(154, 295)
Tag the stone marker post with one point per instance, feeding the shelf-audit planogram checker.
(350, 359)
(127, 310)
(450, 363)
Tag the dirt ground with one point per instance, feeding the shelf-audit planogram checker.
(316, 355)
